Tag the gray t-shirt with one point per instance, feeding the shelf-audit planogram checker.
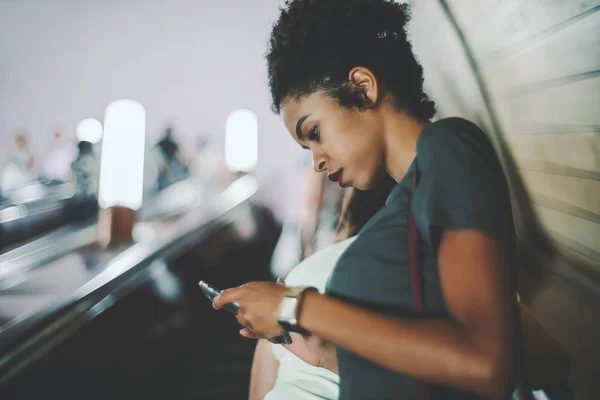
(461, 186)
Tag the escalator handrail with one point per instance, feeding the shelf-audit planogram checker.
(66, 239)
(128, 266)
(46, 248)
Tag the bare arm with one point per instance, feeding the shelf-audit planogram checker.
(264, 370)
(474, 348)
(548, 361)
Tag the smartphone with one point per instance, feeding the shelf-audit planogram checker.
(211, 292)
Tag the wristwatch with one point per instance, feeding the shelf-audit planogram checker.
(290, 307)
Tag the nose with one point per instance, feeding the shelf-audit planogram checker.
(319, 164)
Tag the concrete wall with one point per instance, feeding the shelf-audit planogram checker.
(528, 73)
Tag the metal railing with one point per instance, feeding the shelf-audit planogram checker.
(28, 337)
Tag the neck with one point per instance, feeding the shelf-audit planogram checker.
(401, 134)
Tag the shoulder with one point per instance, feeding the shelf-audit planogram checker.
(449, 131)
(461, 182)
(452, 139)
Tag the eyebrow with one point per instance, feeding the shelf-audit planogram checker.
(299, 126)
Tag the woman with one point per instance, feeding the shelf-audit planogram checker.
(280, 374)
(348, 87)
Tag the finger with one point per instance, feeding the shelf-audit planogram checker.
(248, 333)
(227, 296)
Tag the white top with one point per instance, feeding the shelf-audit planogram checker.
(297, 380)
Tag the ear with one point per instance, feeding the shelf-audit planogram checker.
(363, 79)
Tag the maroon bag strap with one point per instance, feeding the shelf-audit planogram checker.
(416, 281)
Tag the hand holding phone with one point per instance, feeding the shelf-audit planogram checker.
(211, 292)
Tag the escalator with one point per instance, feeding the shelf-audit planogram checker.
(38, 209)
(130, 322)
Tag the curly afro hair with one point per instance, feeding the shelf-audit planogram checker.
(315, 44)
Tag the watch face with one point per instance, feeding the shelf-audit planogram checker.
(287, 310)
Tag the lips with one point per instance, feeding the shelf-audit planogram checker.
(336, 176)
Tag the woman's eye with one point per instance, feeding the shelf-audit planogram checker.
(313, 134)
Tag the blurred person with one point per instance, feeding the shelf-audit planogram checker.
(85, 174)
(310, 223)
(307, 370)
(205, 161)
(153, 162)
(318, 228)
(57, 167)
(171, 166)
(167, 144)
(23, 157)
(19, 169)
(422, 303)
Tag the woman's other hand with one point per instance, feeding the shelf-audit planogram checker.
(309, 348)
(315, 351)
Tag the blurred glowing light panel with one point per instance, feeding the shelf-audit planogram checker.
(122, 161)
(89, 130)
(241, 141)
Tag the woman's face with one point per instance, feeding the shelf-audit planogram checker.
(346, 143)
